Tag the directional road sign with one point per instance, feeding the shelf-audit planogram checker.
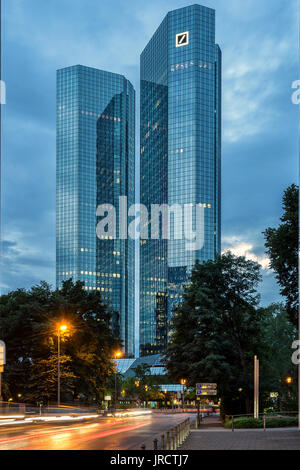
(206, 392)
(206, 386)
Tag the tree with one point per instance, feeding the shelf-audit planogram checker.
(282, 247)
(145, 388)
(276, 364)
(217, 329)
(130, 386)
(29, 325)
(45, 388)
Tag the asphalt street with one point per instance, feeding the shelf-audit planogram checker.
(123, 433)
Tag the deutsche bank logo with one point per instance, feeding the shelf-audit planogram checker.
(182, 39)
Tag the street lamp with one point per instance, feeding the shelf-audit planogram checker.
(183, 382)
(165, 392)
(61, 329)
(118, 354)
(289, 380)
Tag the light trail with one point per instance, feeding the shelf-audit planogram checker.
(49, 419)
(98, 435)
(54, 431)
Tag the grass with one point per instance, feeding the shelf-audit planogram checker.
(251, 423)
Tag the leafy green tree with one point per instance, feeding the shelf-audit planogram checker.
(147, 390)
(217, 329)
(276, 364)
(130, 386)
(282, 246)
(45, 388)
(29, 323)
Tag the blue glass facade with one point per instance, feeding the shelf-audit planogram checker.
(95, 165)
(180, 157)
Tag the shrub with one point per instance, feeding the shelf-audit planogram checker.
(245, 423)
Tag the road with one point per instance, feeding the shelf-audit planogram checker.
(123, 433)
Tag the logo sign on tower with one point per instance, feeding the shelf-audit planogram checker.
(182, 39)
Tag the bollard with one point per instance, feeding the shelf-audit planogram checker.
(143, 447)
(264, 421)
(168, 447)
(155, 444)
(173, 439)
(162, 442)
(232, 423)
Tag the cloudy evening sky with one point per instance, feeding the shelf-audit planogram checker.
(259, 41)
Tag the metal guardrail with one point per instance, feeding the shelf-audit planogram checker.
(263, 416)
(173, 438)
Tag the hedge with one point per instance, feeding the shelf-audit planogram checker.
(250, 423)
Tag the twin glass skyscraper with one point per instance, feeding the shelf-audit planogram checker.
(95, 165)
(180, 156)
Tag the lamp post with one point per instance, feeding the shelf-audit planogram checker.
(289, 381)
(2, 359)
(256, 388)
(61, 329)
(117, 356)
(165, 392)
(183, 382)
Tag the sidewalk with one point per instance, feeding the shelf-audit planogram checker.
(212, 436)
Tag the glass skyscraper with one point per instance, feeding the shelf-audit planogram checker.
(95, 165)
(180, 157)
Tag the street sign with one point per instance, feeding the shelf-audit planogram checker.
(206, 392)
(107, 398)
(2, 353)
(206, 386)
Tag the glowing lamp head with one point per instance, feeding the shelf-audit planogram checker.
(289, 380)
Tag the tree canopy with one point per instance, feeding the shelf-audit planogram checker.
(282, 244)
(29, 322)
(218, 329)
